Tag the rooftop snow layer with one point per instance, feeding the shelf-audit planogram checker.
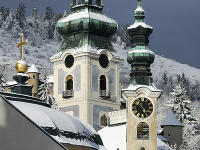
(137, 24)
(171, 120)
(115, 138)
(86, 14)
(33, 69)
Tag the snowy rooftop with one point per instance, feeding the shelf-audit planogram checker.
(86, 14)
(33, 69)
(115, 138)
(137, 24)
(171, 120)
(63, 127)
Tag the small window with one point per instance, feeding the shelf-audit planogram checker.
(33, 76)
(102, 82)
(69, 83)
(104, 120)
(142, 148)
(143, 131)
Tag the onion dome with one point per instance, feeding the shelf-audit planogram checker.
(140, 57)
(21, 66)
(86, 24)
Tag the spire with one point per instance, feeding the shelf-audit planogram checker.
(139, 13)
(140, 57)
(86, 25)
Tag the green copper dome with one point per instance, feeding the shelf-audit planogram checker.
(86, 24)
(140, 57)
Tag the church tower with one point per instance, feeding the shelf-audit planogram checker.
(141, 95)
(86, 67)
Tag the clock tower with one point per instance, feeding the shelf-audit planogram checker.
(141, 95)
(86, 67)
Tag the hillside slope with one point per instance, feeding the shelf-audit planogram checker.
(10, 54)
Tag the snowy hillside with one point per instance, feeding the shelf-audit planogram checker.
(39, 56)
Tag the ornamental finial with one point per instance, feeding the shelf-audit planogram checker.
(21, 45)
(21, 66)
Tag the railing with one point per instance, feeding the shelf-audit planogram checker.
(104, 94)
(67, 94)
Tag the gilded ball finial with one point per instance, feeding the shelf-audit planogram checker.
(21, 66)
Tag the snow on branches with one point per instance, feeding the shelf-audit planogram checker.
(45, 94)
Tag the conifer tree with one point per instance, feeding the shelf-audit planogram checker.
(2, 77)
(20, 15)
(10, 20)
(48, 13)
(34, 14)
(45, 91)
(181, 105)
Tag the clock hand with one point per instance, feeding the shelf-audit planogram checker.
(144, 110)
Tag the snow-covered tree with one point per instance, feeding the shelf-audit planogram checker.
(34, 14)
(48, 13)
(2, 77)
(20, 15)
(10, 20)
(181, 105)
(45, 91)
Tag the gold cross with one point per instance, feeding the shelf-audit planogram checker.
(21, 45)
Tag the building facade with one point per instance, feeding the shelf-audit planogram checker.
(86, 67)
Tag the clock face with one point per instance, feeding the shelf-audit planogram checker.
(142, 107)
(103, 61)
(69, 61)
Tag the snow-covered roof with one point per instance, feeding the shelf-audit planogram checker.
(162, 138)
(139, 9)
(10, 83)
(65, 128)
(115, 138)
(86, 14)
(33, 69)
(171, 120)
(141, 51)
(132, 87)
(137, 24)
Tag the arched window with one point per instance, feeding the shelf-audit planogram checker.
(143, 131)
(103, 120)
(102, 82)
(142, 148)
(69, 83)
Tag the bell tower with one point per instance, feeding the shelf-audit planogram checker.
(86, 67)
(141, 95)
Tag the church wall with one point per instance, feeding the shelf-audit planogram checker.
(74, 109)
(20, 133)
(60, 80)
(96, 115)
(77, 78)
(86, 72)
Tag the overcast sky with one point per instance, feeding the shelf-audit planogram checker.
(176, 23)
